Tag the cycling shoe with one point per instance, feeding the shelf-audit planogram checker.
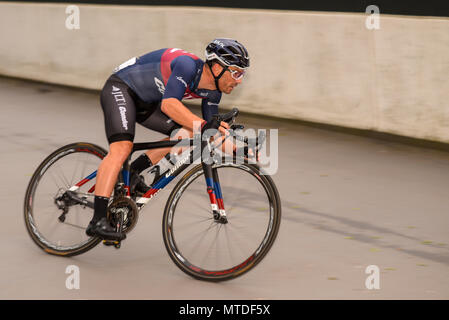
(104, 230)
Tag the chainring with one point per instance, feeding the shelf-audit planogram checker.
(128, 208)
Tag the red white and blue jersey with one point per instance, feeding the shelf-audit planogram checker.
(168, 73)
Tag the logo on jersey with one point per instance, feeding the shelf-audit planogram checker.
(160, 85)
(121, 103)
(182, 80)
(212, 104)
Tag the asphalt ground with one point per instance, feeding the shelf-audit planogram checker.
(348, 202)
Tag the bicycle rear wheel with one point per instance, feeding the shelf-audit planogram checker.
(56, 222)
(208, 250)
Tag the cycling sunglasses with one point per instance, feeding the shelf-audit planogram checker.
(236, 74)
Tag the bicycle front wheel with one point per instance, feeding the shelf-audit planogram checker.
(207, 249)
(55, 221)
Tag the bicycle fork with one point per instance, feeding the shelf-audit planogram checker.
(215, 195)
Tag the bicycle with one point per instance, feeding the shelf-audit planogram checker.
(57, 211)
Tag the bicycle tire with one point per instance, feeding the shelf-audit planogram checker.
(31, 227)
(241, 268)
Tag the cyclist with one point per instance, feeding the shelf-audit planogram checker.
(148, 90)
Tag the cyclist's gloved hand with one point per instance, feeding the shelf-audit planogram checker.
(205, 125)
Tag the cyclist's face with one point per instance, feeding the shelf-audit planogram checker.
(227, 81)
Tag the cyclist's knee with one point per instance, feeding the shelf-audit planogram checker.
(120, 150)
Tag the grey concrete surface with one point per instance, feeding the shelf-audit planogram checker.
(348, 202)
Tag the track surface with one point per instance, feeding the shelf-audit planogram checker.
(348, 202)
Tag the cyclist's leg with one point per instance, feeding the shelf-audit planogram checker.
(120, 118)
(160, 122)
(110, 166)
(120, 121)
(156, 120)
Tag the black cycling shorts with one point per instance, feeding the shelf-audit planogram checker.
(122, 108)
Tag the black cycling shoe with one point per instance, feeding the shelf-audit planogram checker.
(137, 183)
(103, 229)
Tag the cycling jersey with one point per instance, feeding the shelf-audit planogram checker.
(168, 73)
(135, 91)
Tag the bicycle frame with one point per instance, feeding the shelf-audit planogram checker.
(211, 175)
(164, 180)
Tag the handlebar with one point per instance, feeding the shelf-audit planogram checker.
(227, 117)
(230, 118)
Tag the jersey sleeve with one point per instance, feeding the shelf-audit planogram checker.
(183, 72)
(209, 106)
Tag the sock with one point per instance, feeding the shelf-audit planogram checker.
(100, 208)
(141, 163)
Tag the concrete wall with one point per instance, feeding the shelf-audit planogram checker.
(322, 67)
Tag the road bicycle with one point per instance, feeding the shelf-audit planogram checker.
(205, 240)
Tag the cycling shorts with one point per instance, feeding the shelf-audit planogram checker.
(122, 108)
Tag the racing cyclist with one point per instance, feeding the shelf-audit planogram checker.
(148, 90)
